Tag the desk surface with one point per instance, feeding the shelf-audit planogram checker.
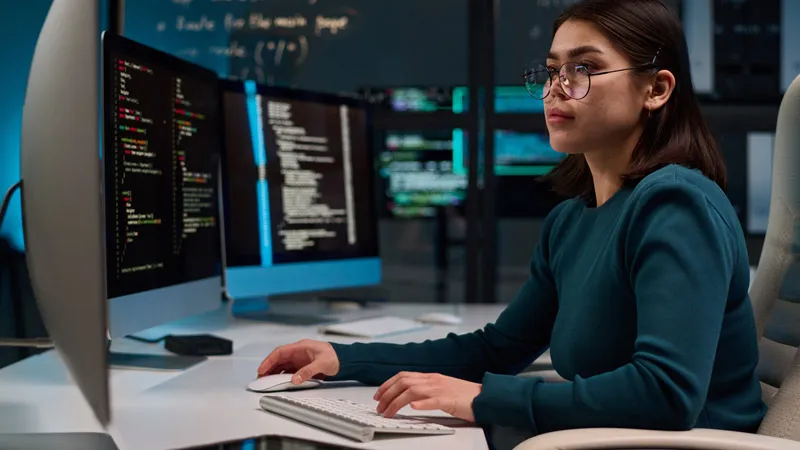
(208, 403)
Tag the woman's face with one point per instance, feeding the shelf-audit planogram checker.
(611, 114)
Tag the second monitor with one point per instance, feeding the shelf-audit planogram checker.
(161, 163)
(299, 211)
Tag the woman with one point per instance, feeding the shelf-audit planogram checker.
(639, 283)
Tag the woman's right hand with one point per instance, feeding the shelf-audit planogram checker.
(307, 359)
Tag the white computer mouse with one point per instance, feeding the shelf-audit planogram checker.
(279, 383)
(439, 318)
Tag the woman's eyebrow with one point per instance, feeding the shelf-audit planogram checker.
(577, 51)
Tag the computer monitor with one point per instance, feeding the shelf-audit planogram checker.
(507, 100)
(790, 36)
(299, 204)
(423, 99)
(61, 206)
(415, 173)
(524, 153)
(517, 153)
(742, 50)
(698, 26)
(161, 153)
(760, 151)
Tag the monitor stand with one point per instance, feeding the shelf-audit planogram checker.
(149, 361)
(64, 441)
(142, 361)
(321, 311)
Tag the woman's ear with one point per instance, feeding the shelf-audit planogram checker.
(661, 90)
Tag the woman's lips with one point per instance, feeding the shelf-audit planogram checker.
(558, 118)
(557, 115)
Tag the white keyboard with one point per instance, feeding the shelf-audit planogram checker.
(353, 420)
(374, 327)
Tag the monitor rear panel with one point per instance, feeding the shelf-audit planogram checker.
(61, 202)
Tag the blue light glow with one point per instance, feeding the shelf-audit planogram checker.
(20, 23)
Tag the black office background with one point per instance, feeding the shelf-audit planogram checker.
(19, 315)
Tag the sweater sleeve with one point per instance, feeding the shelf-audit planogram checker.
(519, 335)
(680, 256)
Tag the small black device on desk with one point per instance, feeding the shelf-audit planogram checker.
(192, 344)
(198, 345)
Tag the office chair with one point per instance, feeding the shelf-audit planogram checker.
(776, 303)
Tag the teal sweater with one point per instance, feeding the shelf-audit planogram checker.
(643, 302)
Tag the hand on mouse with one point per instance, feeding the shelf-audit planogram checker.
(307, 359)
(427, 391)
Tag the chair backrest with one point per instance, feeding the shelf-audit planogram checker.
(775, 291)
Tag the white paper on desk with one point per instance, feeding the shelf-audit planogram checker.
(376, 327)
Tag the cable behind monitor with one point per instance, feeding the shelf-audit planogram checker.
(7, 200)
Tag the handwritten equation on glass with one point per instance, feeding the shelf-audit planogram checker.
(263, 39)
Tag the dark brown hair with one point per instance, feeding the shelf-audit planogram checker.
(676, 133)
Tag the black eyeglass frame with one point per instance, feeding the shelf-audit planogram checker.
(557, 72)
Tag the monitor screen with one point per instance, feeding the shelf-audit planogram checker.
(507, 99)
(698, 28)
(790, 36)
(267, 442)
(410, 98)
(524, 32)
(416, 173)
(298, 177)
(760, 151)
(742, 50)
(161, 155)
(515, 149)
(515, 153)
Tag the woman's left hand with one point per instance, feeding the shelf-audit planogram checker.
(427, 391)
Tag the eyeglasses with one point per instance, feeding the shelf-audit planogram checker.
(575, 78)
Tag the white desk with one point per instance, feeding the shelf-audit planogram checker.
(208, 403)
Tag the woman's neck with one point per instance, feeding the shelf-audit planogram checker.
(605, 186)
(608, 164)
(607, 169)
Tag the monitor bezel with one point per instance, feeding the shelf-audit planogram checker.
(134, 311)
